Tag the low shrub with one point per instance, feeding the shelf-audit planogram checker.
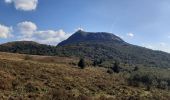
(27, 57)
(30, 88)
(110, 71)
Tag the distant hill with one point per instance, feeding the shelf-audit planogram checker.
(27, 47)
(95, 46)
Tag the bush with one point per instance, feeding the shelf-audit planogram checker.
(97, 62)
(30, 88)
(134, 80)
(73, 63)
(116, 67)
(163, 85)
(136, 68)
(59, 94)
(28, 57)
(83, 97)
(81, 63)
(110, 71)
(146, 79)
(155, 83)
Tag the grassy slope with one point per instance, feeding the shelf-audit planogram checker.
(51, 78)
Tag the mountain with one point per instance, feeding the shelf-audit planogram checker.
(102, 46)
(108, 47)
(81, 36)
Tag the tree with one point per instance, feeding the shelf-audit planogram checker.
(116, 67)
(136, 68)
(81, 63)
(163, 85)
(97, 62)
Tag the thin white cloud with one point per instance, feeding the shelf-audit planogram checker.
(121, 36)
(5, 31)
(27, 28)
(25, 5)
(79, 28)
(28, 31)
(162, 44)
(148, 45)
(130, 35)
(51, 36)
(158, 46)
(8, 1)
(168, 36)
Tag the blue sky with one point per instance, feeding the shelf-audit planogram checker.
(140, 22)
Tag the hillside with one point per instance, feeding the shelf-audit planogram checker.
(49, 78)
(95, 46)
(27, 47)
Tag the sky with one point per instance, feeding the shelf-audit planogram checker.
(140, 22)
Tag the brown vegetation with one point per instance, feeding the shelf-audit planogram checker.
(59, 78)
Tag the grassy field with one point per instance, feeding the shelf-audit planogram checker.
(25, 77)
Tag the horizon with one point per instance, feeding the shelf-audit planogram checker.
(143, 23)
(68, 37)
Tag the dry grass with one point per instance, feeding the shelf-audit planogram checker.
(56, 78)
